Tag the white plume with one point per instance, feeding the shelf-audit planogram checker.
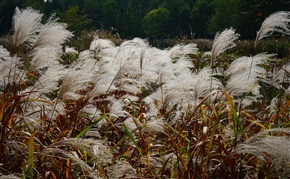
(222, 42)
(277, 22)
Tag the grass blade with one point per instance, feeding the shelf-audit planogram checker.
(233, 113)
(31, 155)
(68, 168)
(210, 146)
(90, 126)
(178, 133)
(132, 139)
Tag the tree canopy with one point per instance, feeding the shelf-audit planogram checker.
(156, 21)
(158, 18)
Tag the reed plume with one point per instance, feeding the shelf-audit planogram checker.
(270, 146)
(244, 74)
(222, 42)
(277, 22)
(26, 25)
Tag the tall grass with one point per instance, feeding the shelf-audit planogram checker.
(130, 110)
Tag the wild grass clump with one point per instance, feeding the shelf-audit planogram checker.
(129, 110)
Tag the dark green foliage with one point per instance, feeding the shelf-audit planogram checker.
(109, 9)
(200, 14)
(178, 18)
(225, 15)
(187, 18)
(76, 20)
(156, 21)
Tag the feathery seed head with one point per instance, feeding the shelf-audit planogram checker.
(122, 169)
(277, 22)
(271, 143)
(45, 57)
(71, 50)
(98, 44)
(130, 124)
(11, 176)
(26, 25)
(180, 50)
(48, 82)
(4, 53)
(155, 125)
(52, 33)
(245, 72)
(222, 42)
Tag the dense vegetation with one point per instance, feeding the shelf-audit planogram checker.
(124, 109)
(131, 18)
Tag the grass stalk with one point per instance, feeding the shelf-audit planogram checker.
(31, 156)
(132, 139)
(90, 126)
(209, 147)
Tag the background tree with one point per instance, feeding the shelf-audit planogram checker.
(205, 17)
(7, 9)
(110, 8)
(94, 10)
(77, 21)
(129, 15)
(155, 23)
(179, 17)
(35, 4)
(199, 16)
(253, 12)
(190, 2)
(225, 15)
(154, 4)
(129, 18)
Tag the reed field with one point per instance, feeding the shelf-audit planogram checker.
(98, 106)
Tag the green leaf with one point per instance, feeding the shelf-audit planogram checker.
(174, 130)
(132, 139)
(90, 126)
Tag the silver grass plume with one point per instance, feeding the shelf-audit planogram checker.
(181, 51)
(126, 47)
(51, 152)
(48, 82)
(122, 169)
(281, 76)
(155, 125)
(97, 151)
(52, 34)
(70, 50)
(45, 57)
(272, 144)
(125, 69)
(93, 147)
(9, 70)
(10, 176)
(44, 40)
(4, 53)
(277, 22)
(222, 42)
(244, 74)
(72, 83)
(136, 42)
(186, 88)
(26, 24)
(7, 63)
(99, 44)
(277, 104)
